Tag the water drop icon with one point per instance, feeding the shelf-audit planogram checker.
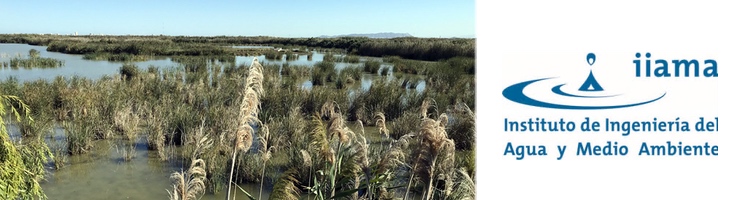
(591, 85)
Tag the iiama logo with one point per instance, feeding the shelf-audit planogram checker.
(591, 95)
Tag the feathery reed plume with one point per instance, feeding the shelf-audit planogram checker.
(249, 109)
(380, 123)
(361, 157)
(436, 155)
(328, 109)
(435, 147)
(285, 188)
(250, 106)
(394, 156)
(156, 137)
(202, 142)
(337, 127)
(425, 108)
(265, 153)
(189, 185)
(307, 163)
(306, 159)
(464, 189)
(320, 139)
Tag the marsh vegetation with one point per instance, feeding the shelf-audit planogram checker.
(228, 124)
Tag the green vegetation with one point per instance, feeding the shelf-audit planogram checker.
(372, 66)
(33, 61)
(232, 124)
(21, 163)
(430, 49)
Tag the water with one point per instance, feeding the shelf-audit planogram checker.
(75, 65)
(103, 173)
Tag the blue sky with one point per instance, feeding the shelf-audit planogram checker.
(420, 18)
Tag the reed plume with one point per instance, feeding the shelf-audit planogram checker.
(337, 128)
(465, 188)
(126, 121)
(285, 188)
(380, 123)
(328, 109)
(319, 139)
(361, 158)
(265, 152)
(189, 185)
(156, 137)
(249, 110)
(394, 156)
(435, 155)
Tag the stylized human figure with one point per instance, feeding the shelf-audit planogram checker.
(591, 85)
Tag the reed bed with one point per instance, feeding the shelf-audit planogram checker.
(254, 124)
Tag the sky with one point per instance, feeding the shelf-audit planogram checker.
(420, 18)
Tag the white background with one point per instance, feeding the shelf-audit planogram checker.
(524, 40)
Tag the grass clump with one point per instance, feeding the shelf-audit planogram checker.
(33, 61)
(351, 72)
(129, 71)
(372, 66)
(323, 72)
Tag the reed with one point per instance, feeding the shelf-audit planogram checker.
(464, 189)
(285, 188)
(462, 128)
(353, 72)
(249, 109)
(372, 66)
(434, 158)
(189, 185)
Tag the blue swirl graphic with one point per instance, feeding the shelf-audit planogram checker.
(515, 93)
(558, 90)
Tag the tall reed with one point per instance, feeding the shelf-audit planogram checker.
(249, 109)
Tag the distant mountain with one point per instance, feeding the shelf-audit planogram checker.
(371, 35)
